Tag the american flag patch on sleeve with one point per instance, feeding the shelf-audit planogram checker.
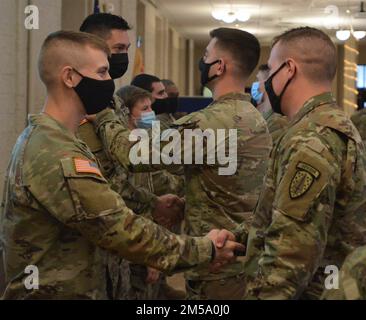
(85, 166)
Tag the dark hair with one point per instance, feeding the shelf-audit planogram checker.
(168, 83)
(319, 64)
(263, 67)
(131, 95)
(145, 81)
(102, 24)
(243, 47)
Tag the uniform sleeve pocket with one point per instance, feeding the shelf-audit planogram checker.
(305, 178)
(90, 191)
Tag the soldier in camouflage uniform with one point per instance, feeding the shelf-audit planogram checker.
(114, 30)
(213, 200)
(311, 212)
(352, 278)
(359, 120)
(146, 283)
(58, 212)
(276, 123)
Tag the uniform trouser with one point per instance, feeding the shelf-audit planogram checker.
(118, 283)
(232, 288)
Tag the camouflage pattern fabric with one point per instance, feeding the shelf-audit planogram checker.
(359, 120)
(276, 124)
(212, 201)
(311, 212)
(60, 214)
(352, 278)
(139, 200)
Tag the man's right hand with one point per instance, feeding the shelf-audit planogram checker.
(169, 210)
(225, 248)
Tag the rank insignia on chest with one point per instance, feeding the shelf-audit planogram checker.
(303, 180)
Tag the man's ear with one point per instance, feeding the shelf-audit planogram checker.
(221, 67)
(68, 77)
(291, 64)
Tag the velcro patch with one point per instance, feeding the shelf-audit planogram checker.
(302, 180)
(85, 166)
(309, 169)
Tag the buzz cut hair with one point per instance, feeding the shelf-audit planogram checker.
(313, 49)
(65, 48)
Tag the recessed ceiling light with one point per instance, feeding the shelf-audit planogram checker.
(243, 15)
(218, 14)
(343, 35)
(359, 34)
(230, 17)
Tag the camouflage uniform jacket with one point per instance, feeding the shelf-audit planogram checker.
(352, 278)
(58, 210)
(311, 212)
(213, 201)
(276, 124)
(359, 120)
(140, 200)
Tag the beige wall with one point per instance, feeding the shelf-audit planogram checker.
(20, 89)
(13, 79)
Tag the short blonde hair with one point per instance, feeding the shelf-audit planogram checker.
(65, 47)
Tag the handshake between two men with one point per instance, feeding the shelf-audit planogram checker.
(169, 212)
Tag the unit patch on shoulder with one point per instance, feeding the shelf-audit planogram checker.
(303, 180)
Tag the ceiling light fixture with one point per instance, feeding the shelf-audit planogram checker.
(242, 15)
(359, 34)
(343, 35)
(218, 14)
(231, 15)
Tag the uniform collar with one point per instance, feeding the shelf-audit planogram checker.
(312, 103)
(268, 114)
(44, 119)
(234, 96)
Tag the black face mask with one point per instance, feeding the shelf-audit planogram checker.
(205, 70)
(96, 95)
(168, 105)
(118, 65)
(274, 99)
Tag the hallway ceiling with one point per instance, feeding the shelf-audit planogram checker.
(268, 17)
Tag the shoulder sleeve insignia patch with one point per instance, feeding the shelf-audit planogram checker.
(85, 166)
(302, 180)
